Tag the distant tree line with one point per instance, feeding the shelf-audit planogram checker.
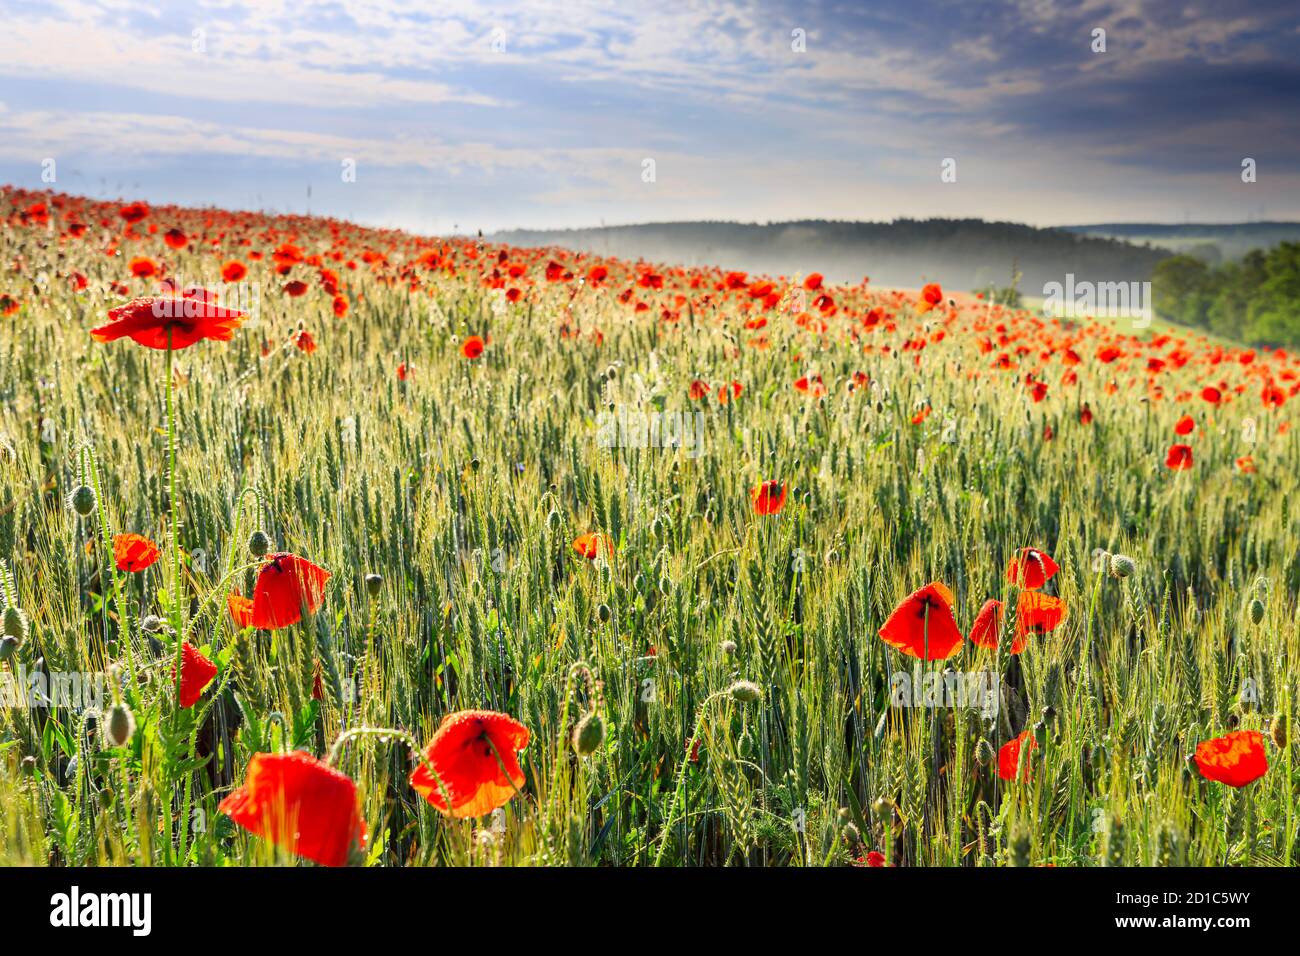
(1255, 299)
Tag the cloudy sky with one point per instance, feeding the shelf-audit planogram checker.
(464, 114)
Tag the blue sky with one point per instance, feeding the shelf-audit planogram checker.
(468, 115)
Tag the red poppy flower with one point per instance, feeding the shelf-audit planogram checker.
(241, 610)
(1031, 568)
(1246, 465)
(1211, 395)
(875, 859)
(302, 338)
(698, 390)
(285, 585)
(589, 545)
(175, 238)
(134, 212)
(142, 267)
(233, 271)
(1235, 759)
(472, 348)
(1037, 613)
(1009, 756)
(295, 288)
(1108, 354)
(1179, 457)
(340, 305)
(196, 673)
(923, 626)
(191, 317)
(403, 372)
(1185, 425)
(1085, 415)
(986, 631)
(474, 756)
(134, 552)
(931, 296)
(768, 498)
(813, 282)
(301, 804)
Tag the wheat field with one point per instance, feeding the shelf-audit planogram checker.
(539, 481)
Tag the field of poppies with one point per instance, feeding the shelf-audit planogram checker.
(336, 546)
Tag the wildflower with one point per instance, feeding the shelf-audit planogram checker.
(589, 545)
(931, 295)
(1179, 457)
(301, 804)
(196, 673)
(1009, 756)
(233, 271)
(1185, 425)
(186, 319)
(745, 692)
(133, 552)
(286, 585)
(768, 498)
(1031, 568)
(923, 625)
(472, 347)
(1235, 759)
(1122, 566)
(473, 755)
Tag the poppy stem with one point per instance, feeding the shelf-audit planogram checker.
(681, 774)
(178, 623)
(344, 738)
(123, 619)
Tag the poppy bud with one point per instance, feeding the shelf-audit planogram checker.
(151, 623)
(14, 623)
(553, 520)
(603, 612)
(29, 765)
(120, 726)
(1122, 566)
(82, 500)
(879, 807)
(1277, 730)
(474, 464)
(745, 692)
(1256, 611)
(729, 648)
(373, 583)
(852, 834)
(983, 752)
(259, 544)
(105, 798)
(588, 734)
(8, 646)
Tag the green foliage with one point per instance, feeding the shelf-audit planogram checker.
(1255, 300)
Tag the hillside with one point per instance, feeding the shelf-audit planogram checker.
(961, 254)
(1213, 242)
